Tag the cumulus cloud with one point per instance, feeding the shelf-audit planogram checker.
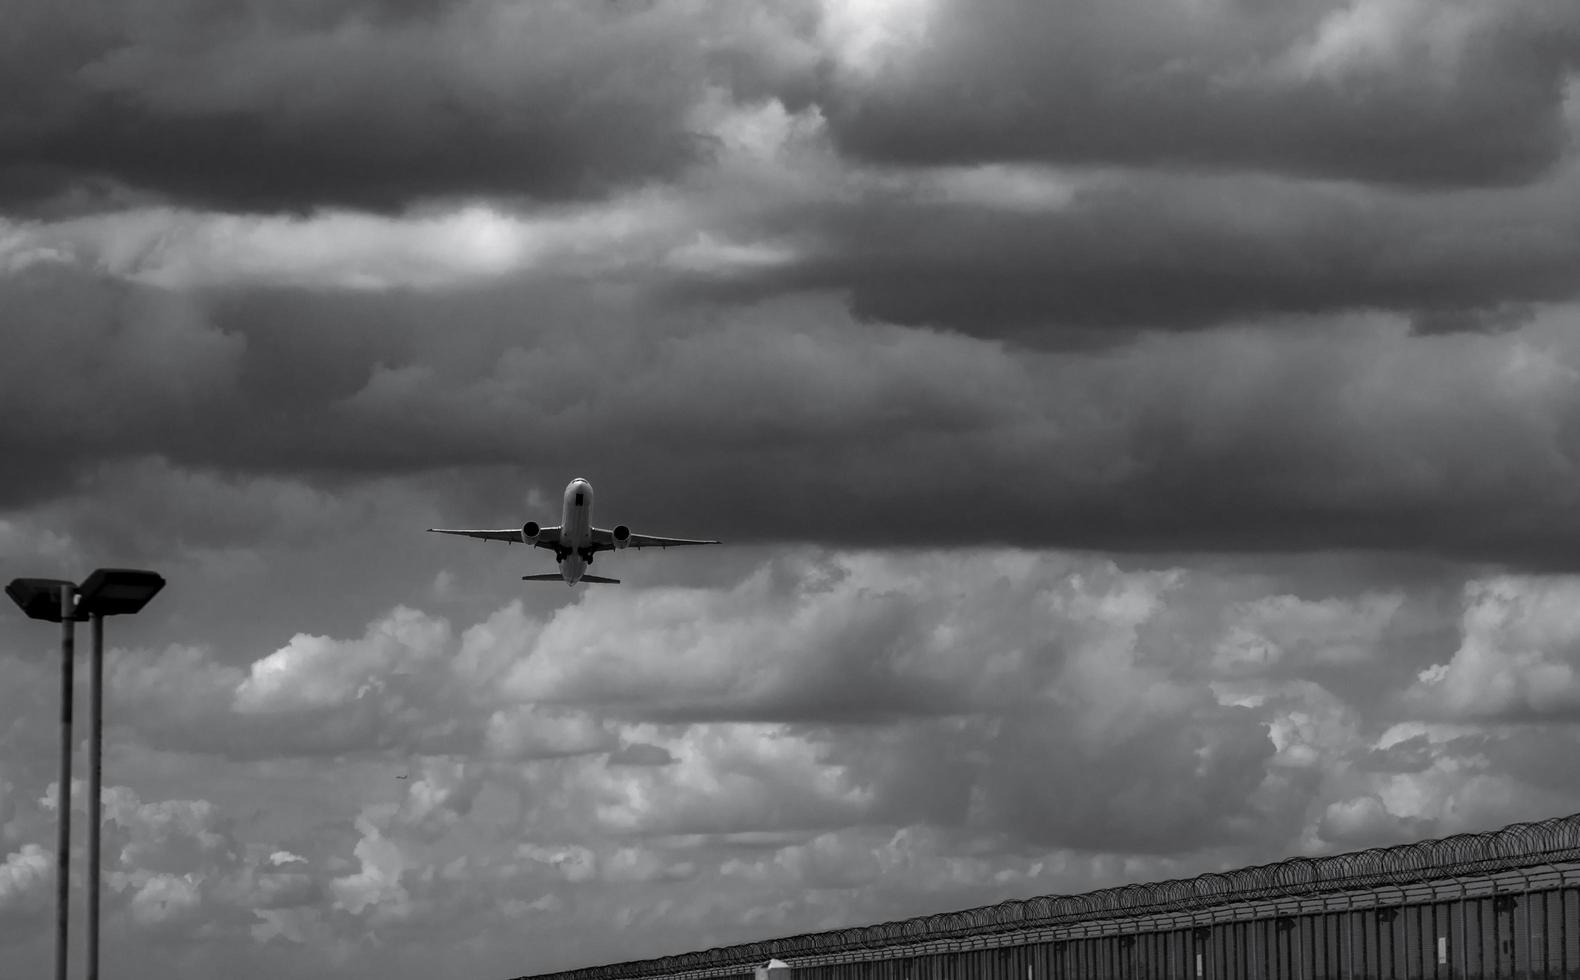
(537, 731)
(1518, 655)
(1430, 780)
(620, 864)
(1276, 630)
(314, 695)
(314, 672)
(686, 711)
(27, 879)
(178, 874)
(610, 765)
(376, 886)
(1366, 821)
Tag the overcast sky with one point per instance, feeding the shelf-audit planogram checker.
(1146, 434)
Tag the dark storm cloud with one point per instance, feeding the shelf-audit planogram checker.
(94, 368)
(289, 106)
(1174, 253)
(1361, 437)
(1386, 90)
(789, 421)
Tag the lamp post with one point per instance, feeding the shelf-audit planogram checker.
(107, 592)
(51, 600)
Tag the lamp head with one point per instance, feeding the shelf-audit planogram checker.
(40, 597)
(117, 591)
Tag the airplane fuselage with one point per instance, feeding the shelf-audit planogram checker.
(576, 531)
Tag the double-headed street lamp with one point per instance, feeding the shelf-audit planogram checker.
(107, 592)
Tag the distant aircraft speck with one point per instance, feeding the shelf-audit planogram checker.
(575, 540)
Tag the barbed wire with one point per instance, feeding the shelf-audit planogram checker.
(1515, 846)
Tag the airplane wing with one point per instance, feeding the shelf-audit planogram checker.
(603, 540)
(547, 538)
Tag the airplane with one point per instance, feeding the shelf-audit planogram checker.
(575, 540)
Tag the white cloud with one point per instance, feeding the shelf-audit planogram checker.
(428, 248)
(1364, 37)
(573, 861)
(537, 731)
(979, 687)
(1310, 727)
(27, 879)
(443, 588)
(869, 37)
(315, 672)
(1269, 632)
(1010, 187)
(168, 836)
(166, 900)
(374, 890)
(1519, 653)
(1364, 821)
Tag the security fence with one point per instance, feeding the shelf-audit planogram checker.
(1502, 904)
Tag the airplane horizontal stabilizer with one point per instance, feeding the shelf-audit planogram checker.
(547, 577)
(600, 579)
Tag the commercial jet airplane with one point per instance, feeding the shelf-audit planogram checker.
(574, 540)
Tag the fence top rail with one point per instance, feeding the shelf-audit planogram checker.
(1520, 845)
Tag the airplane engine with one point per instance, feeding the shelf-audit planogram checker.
(622, 536)
(530, 532)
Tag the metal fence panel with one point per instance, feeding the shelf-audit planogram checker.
(1504, 935)
(1494, 906)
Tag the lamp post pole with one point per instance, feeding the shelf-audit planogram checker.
(63, 795)
(95, 818)
(107, 592)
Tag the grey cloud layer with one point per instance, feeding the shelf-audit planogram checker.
(95, 368)
(1144, 251)
(377, 104)
(787, 421)
(1386, 90)
(363, 103)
